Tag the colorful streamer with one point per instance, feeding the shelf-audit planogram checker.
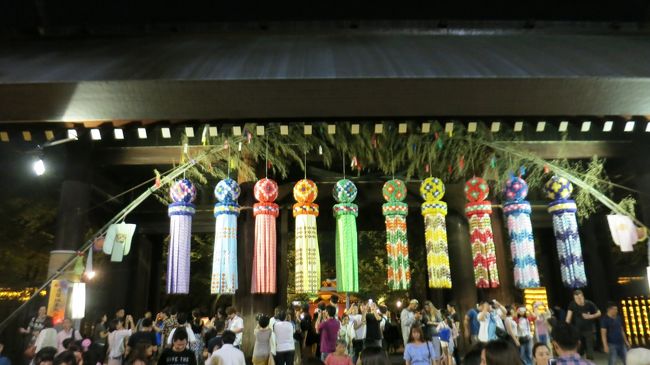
(486, 274)
(183, 193)
(224, 260)
(346, 212)
(395, 211)
(305, 212)
(565, 227)
(434, 211)
(265, 212)
(522, 245)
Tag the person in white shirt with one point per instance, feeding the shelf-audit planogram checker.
(285, 346)
(227, 354)
(116, 339)
(66, 333)
(47, 336)
(408, 316)
(235, 324)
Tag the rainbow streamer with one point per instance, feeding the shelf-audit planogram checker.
(395, 211)
(305, 212)
(224, 259)
(565, 227)
(434, 211)
(522, 245)
(180, 212)
(265, 212)
(486, 274)
(346, 212)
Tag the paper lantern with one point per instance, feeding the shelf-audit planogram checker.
(395, 211)
(224, 260)
(565, 227)
(118, 240)
(434, 211)
(346, 212)
(305, 212)
(265, 212)
(522, 246)
(180, 211)
(486, 274)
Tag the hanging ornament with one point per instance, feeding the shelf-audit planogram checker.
(224, 259)
(395, 211)
(346, 212)
(305, 212)
(486, 274)
(624, 232)
(565, 227)
(180, 211)
(434, 211)
(118, 240)
(517, 211)
(265, 212)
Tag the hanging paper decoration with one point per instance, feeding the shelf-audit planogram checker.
(347, 274)
(305, 212)
(486, 274)
(224, 259)
(395, 211)
(624, 232)
(522, 245)
(118, 240)
(265, 212)
(434, 211)
(565, 226)
(180, 211)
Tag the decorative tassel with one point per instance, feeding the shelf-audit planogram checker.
(183, 193)
(346, 212)
(434, 211)
(305, 212)
(565, 227)
(395, 211)
(486, 274)
(224, 260)
(265, 212)
(522, 245)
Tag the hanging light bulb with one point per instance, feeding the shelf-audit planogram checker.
(38, 166)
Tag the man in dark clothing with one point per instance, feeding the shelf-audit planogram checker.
(178, 354)
(583, 315)
(615, 342)
(146, 334)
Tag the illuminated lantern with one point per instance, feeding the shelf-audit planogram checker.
(224, 259)
(565, 227)
(522, 245)
(434, 211)
(265, 212)
(395, 211)
(180, 211)
(346, 212)
(478, 212)
(305, 212)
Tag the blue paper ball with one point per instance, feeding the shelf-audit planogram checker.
(227, 190)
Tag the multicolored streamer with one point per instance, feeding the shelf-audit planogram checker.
(346, 212)
(305, 212)
(434, 211)
(522, 245)
(486, 274)
(265, 212)
(395, 211)
(565, 227)
(183, 193)
(224, 260)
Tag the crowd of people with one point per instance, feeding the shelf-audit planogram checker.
(365, 333)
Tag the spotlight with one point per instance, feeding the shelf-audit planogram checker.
(39, 166)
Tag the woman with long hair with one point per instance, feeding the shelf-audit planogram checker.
(500, 352)
(418, 350)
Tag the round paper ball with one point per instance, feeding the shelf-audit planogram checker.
(266, 190)
(516, 189)
(432, 189)
(344, 191)
(476, 189)
(558, 188)
(183, 191)
(305, 191)
(227, 190)
(394, 190)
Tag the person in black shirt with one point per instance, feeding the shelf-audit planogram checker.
(583, 314)
(371, 316)
(146, 334)
(178, 354)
